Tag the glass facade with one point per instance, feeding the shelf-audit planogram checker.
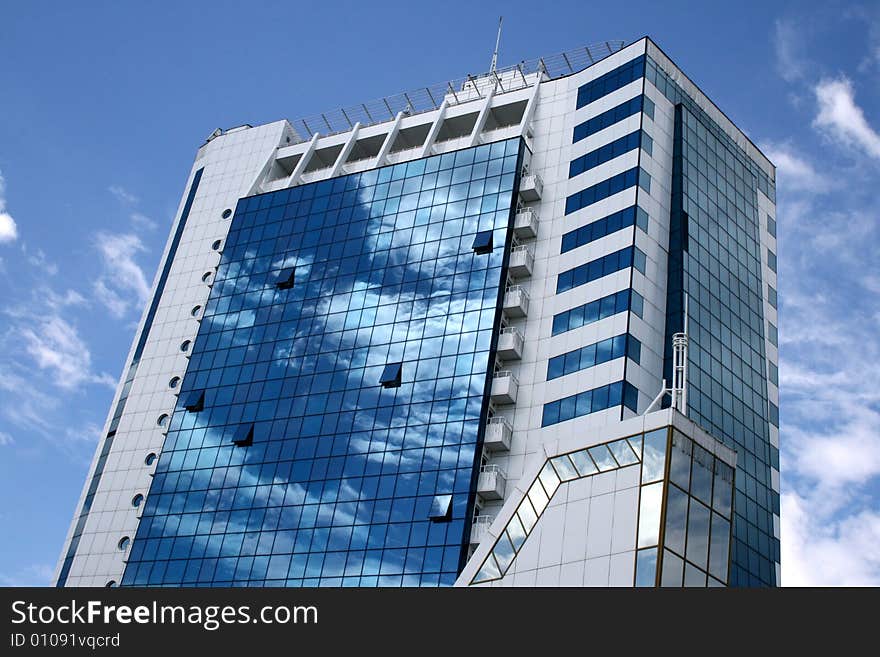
(715, 258)
(696, 533)
(334, 479)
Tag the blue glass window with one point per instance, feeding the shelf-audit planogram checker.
(244, 435)
(391, 375)
(286, 278)
(595, 269)
(605, 189)
(593, 311)
(649, 108)
(195, 401)
(441, 506)
(594, 354)
(590, 401)
(774, 414)
(605, 153)
(611, 81)
(482, 242)
(605, 226)
(607, 118)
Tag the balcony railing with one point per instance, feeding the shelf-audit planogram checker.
(521, 262)
(480, 528)
(491, 483)
(510, 344)
(504, 387)
(498, 434)
(525, 223)
(516, 301)
(531, 187)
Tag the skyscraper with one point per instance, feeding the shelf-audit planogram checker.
(514, 329)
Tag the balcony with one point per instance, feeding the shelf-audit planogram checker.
(525, 224)
(490, 485)
(498, 435)
(516, 301)
(521, 262)
(530, 187)
(504, 387)
(480, 529)
(510, 344)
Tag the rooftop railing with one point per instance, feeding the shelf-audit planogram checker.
(425, 99)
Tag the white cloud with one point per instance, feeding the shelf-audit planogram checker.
(844, 452)
(830, 445)
(123, 195)
(122, 277)
(38, 259)
(110, 299)
(788, 41)
(5, 439)
(90, 433)
(794, 171)
(55, 346)
(818, 551)
(140, 220)
(32, 575)
(56, 301)
(8, 227)
(841, 119)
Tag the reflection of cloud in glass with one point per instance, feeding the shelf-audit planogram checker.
(339, 479)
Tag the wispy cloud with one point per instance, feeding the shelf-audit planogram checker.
(841, 119)
(41, 330)
(39, 260)
(55, 345)
(32, 575)
(123, 282)
(830, 443)
(792, 167)
(5, 439)
(788, 42)
(8, 227)
(42, 415)
(140, 220)
(823, 550)
(123, 194)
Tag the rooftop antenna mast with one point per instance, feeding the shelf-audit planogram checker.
(497, 42)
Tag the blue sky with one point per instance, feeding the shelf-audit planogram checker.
(102, 106)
